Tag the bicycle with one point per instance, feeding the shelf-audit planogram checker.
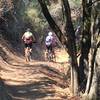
(27, 54)
(50, 55)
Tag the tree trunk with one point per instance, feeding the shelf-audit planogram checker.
(51, 22)
(85, 42)
(71, 37)
(93, 89)
(98, 73)
(71, 47)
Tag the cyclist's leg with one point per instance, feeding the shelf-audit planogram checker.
(50, 53)
(30, 46)
(53, 52)
(26, 51)
(25, 48)
(46, 52)
(30, 51)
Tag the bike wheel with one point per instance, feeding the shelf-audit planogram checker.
(50, 56)
(27, 55)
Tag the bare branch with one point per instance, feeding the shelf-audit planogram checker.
(50, 20)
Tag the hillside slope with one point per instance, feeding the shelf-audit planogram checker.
(38, 80)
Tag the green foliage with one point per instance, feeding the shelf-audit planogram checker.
(32, 14)
(75, 3)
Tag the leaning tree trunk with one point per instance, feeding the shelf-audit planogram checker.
(51, 22)
(71, 37)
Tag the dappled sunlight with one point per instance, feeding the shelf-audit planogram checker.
(61, 55)
(37, 79)
(70, 71)
(27, 91)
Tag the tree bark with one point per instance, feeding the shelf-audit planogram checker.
(51, 22)
(71, 37)
(85, 42)
(91, 86)
(71, 47)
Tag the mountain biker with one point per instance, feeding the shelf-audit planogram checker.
(28, 39)
(50, 42)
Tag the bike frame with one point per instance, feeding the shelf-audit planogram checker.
(50, 55)
(27, 54)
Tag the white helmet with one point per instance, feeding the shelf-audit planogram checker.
(50, 34)
(28, 29)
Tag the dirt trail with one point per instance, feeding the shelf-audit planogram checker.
(38, 80)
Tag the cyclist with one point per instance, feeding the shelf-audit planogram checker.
(28, 39)
(50, 42)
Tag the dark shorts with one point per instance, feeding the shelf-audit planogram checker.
(49, 47)
(28, 45)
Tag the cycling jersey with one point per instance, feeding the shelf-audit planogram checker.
(49, 40)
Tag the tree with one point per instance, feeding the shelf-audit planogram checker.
(86, 42)
(91, 22)
(69, 36)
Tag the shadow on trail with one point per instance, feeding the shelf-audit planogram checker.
(32, 91)
(3, 92)
(59, 78)
(40, 89)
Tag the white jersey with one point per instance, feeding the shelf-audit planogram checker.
(48, 40)
(27, 34)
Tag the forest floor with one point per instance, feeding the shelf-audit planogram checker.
(37, 80)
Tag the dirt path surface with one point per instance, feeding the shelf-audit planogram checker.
(37, 80)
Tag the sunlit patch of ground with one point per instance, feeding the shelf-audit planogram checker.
(61, 56)
(37, 80)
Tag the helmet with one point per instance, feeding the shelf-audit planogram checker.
(50, 34)
(28, 29)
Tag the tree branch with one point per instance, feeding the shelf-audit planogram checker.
(69, 26)
(95, 1)
(71, 47)
(50, 20)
